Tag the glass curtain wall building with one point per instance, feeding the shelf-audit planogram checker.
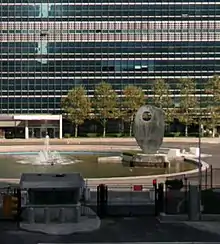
(50, 46)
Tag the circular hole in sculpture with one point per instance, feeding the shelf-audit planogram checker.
(146, 116)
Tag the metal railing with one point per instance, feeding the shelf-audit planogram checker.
(176, 202)
(126, 194)
(206, 178)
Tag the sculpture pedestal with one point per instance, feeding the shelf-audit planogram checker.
(147, 160)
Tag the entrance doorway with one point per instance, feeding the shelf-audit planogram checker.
(39, 132)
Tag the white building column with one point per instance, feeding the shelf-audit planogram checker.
(61, 127)
(26, 130)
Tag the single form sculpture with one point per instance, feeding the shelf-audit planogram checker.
(149, 132)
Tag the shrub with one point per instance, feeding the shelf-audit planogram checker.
(67, 135)
(92, 134)
(131, 153)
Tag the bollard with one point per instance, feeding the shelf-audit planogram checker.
(46, 215)
(87, 194)
(62, 215)
(155, 196)
(77, 213)
(160, 198)
(194, 208)
(102, 200)
(206, 178)
(31, 216)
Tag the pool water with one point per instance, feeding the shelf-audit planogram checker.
(88, 167)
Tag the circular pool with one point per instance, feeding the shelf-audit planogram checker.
(84, 162)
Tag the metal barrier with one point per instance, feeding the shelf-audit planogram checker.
(9, 202)
(206, 175)
(126, 194)
(124, 200)
(176, 201)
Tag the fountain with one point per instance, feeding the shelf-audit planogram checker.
(47, 157)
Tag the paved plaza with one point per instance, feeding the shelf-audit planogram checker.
(114, 230)
(142, 229)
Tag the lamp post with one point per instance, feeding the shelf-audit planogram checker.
(199, 160)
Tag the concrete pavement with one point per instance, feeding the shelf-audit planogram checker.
(100, 140)
(141, 229)
(210, 226)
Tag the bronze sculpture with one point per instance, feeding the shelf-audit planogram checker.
(149, 128)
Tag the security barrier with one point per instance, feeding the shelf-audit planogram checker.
(10, 206)
(10, 203)
(14, 206)
(7, 206)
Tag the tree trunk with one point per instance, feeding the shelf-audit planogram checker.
(201, 130)
(186, 130)
(104, 130)
(130, 128)
(104, 123)
(213, 131)
(76, 130)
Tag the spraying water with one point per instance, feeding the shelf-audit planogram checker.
(48, 157)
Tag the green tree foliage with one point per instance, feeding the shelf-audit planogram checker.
(162, 99)
(105, 104)
(212, 91)
(187, 103)
(133, 99)
(212, 119)
(77, 106)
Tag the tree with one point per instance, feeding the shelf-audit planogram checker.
(105, 104)
(162, 99)
(77, 106)
(133, 99)
(213, 119)
(213, 89)
(213, 101)
(187, 103)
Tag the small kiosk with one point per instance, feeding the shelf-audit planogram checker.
(51, 198)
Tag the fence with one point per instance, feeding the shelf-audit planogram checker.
(207, 178)
(177, 202)
(125, 194)
(125, 200)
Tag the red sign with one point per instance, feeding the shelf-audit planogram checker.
(137, 188)
(154, 182)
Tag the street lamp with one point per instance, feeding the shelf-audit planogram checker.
(199, 158)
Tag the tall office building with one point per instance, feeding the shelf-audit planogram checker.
(50, 46)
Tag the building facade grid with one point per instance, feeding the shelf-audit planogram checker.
(50, 46)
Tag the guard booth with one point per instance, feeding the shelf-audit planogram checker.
(51, 198)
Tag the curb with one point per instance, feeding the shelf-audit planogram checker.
(193, 171)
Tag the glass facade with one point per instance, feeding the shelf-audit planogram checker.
(49, 46)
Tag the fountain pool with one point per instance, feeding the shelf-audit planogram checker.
(12, 165)
(85, 162)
